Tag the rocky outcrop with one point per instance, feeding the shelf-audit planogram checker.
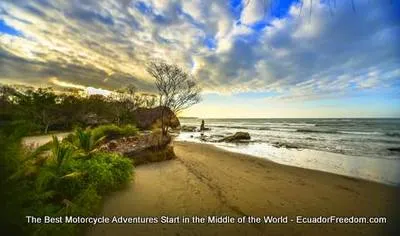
(148, 118)
(395, 149)
(187, 128)
(144, 148)
(237, 137)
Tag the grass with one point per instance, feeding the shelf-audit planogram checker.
(113, 131)
(60, 178)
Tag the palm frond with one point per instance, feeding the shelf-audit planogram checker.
(39, 151)
(61, 152)
(95, 143)
(45, 177)
(73, 175)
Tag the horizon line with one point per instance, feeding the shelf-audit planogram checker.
(193, 117)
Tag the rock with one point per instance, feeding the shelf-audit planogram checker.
(143, 148)
(149, 156)
(152, 141)
(92, 119)
(186, 128)
(148, 118)
(150, 148)
(237, 137)
(395, 149)
(203, 127)
(213, 138)
(112, 145)
(284, 145)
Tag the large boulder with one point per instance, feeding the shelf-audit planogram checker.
(93, 119)
(142, 148)
(237, 137)
(148, 118)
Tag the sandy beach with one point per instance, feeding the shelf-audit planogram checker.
(204, 180)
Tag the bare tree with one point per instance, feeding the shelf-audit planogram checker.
(148, 100)
(177, 89)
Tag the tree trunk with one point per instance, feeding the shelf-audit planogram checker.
(46, 128)
(162, 121)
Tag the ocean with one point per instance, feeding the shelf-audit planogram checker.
(361, 148)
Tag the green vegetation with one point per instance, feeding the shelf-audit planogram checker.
(59, 178)
(53, 111)
(113, 131)
(69, 177)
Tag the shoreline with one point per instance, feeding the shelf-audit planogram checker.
(297, 154)
(204, 180)
(355, 178)
(380, 170)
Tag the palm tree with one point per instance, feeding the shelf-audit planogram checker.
(53, 169)
(85, 141)
(61, 152)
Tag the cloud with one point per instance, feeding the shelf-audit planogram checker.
(106, 44)
(57, 82)
(253, 12)
(88, 90)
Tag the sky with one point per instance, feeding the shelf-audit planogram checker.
(252, 58)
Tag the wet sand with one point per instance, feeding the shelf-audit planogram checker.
(205, 180)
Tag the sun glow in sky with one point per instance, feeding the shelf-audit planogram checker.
(251, 59)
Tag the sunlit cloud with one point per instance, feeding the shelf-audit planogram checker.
(92, 91)
(88, 90)
(231, 47)
(57, 82)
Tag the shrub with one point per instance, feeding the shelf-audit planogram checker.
(85, 140)
(107, 171)
(113, 131)
(60, 182)
(15, 194)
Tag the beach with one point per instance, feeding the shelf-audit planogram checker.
(205, 181)
(361, 148)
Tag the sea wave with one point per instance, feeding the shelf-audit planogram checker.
(355, 137)
(393, 134)
(230, 127)
(360, 133)
(263, 128)
(286, 145)
(340, 132)
(336, 124)
(316, 131)
(284, 129)
(240, 127)
(300, 124)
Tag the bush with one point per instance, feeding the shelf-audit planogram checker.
(15, 194)
(56, 179)
(107, 171)
(113, 131)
